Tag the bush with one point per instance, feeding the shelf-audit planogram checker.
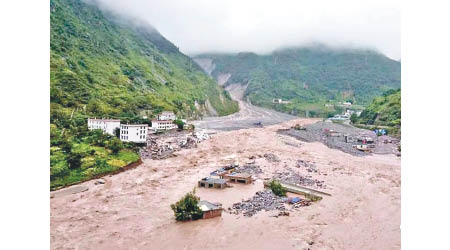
(187, 208)
(74, 159)
(276, 188)
(115, 145)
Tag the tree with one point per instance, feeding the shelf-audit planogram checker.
(117, 132)
(115, 145)
(179, 123)
(354, 118)
(187, 208)
(276, 188)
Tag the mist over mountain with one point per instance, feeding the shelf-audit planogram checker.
(262, 26)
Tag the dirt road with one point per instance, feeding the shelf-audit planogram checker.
(246, 117)
(132, 210)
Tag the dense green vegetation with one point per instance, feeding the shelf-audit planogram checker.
(276, 188)
(309, 77)
(87, 154)
(187, 208)
(105, 66)
(384, 110)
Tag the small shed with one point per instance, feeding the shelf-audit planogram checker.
(239, 177)
(209, 209)
(209, 182)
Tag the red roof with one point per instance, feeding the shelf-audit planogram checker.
(155, 120)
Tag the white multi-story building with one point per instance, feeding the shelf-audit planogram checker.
(163, 124)
(107, 125)
(133, 133)
(166, 115)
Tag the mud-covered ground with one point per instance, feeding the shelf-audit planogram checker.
(247, 116)
(316, 133)
(132, 209)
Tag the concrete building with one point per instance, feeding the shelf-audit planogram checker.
(166, 115)
(163, 125)
(133, 133)
(209, 182)
(209, 209)
(106, 125)
(238, 177)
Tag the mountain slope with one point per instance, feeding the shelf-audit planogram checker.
(109, 67)
(384, 110)
(308, 77)
(104, 66)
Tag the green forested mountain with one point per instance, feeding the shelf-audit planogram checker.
(384, 110)
(104, 66)
(309, 77)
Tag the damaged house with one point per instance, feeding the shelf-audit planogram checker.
(209, 182)
(238, 177)
(209, 209)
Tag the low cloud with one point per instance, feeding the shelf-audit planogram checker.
(263, 26)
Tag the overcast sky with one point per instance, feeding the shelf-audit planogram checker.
(261, 26)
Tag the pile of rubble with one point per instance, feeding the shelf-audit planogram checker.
(163, 146)
(156, 151)
(190, 142)
(249, 169)
(271, 157)
(200, 136)
(266, 200)
(222, 170)
(263, 200)
(310, 166)
(289, 176)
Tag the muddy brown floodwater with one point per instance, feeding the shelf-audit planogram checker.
(132, 209)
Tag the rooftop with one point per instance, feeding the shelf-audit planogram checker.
(214, 180)
(156, 120)
(239, 175)
(207, 206)
(134, 125)
(104, 120)
(167, 113)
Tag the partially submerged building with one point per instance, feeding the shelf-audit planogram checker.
(209, 182)
(238, 177)
(209, 209)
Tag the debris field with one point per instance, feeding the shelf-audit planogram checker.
(333, 136)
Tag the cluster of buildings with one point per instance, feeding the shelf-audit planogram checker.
(137, 133)
(219, 179)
